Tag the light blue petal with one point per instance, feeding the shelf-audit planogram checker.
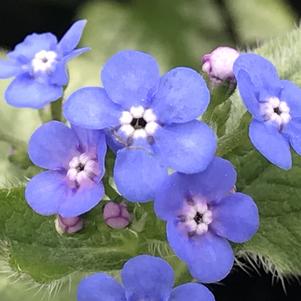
(147, 278)
(271, 144)
(209, 257)
(191, 291)
(60, 75)
(81, 200)
(72, 37)
(100, 287)
(45, 192)
(33, 44)
(249, 94)
(138, 174)
(291, 94)
(9, 68)
(293, 131)
(129, 77)
(262, 73)
(75, 53)
(187, 148)
(235, 218)
(53, 145)
(182, 96)
(26, 92)
(91, 108)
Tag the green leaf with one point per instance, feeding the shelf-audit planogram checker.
(276, 192)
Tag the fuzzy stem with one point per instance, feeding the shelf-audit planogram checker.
(14, 142)
(56, 110)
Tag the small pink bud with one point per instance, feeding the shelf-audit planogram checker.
(219, 64)
(116, 215)
(68, 224)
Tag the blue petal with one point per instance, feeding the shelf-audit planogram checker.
(191, 291)
(187, 148)
(209, 257)
(81, 200)
(147, 278)
(33, 44)
(93, 142)
(53, 145)
(271, 144)
(91, 108)
(45, 192)
(100, 287)
(262, 73)
(291, 94)
(138, 174)
(25, 91)
(9, 68)
(235, 218)
(72, 37)
(129, 76)
(175, 188)
(248, 92)
(76, 53)
(293, 131)
(215, 182)
(60, 75)
(182, 96)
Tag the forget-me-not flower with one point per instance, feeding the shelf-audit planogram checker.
(39, 67)
(74, 158)
(275, 106)
(144, 278)
(202, 214)
(152, 118)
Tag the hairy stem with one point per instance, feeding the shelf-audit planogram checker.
(14, 142)
(56, 110)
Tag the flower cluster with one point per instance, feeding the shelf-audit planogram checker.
(143, 278)
(162, 152)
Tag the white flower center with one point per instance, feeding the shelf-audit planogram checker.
(138, 122)
(276, 111)
(82, 168)
(44, 61)
(195, 216)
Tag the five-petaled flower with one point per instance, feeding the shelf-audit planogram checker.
(74, 158)
(275, 105)
(153, 119)
(144, 278)
(39, 67)
(202, 212)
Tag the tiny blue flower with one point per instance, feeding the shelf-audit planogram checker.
(202, 213)
(152, 119)
(74, 158)
(275, 107)
(39, 67)
(144, 278)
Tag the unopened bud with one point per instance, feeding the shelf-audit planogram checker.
(68, 224)
(116, 215)
(219, 64)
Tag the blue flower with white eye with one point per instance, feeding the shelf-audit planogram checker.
(275, 106)
(152, 118)
(202, 213)
(144, 278)
(74, 158)
(39, 67)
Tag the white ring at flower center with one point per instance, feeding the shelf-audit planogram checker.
(44, 61)
(136, 113)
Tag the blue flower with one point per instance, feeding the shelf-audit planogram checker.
(39, 67)
(275, 106)
(202, 213)
(153, 120)
(144, 278)
(74, 158)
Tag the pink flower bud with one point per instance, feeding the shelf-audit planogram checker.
(68, 224)
(219, 64)
(116, 215)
